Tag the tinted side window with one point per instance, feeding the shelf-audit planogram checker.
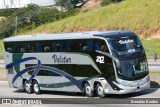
(20, 47)
(78, 70)
(101, 45)
(15, 47)
(46, 46)
(44, 73)
(86, 71)
(59, 46)
(72, 69)
(68, 46)
(54, 46)
(87, 45)
(9, 46)
(84, 45)
(31, 47)
(75, 46)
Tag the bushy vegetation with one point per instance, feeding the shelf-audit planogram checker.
(67, 4)
(29, 18)
(1, 49)
(140, 16)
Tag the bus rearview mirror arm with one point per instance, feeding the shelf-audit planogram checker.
(153, 53)
(112, 57)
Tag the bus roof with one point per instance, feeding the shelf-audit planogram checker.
(61, 36)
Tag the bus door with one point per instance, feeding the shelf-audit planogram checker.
(104, 63)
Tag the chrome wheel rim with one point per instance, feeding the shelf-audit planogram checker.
(36, 88)
(27, 86)
(88, 90)
(100, 91)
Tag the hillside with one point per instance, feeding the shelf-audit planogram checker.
(142, 16)
(91, 4)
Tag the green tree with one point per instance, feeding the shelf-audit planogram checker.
(29, 17)
(67, 4)
(64, 3)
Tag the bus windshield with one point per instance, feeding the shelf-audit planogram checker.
(133, 69)
(125, 47)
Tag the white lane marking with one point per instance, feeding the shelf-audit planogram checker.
(154, 67)
(39, 106)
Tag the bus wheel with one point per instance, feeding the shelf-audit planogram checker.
(28, 87)
(88, 90)
(36, 87)
(100, 91)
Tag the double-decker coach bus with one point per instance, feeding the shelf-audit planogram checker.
(95, 63)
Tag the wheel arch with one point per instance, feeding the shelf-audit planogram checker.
(24, 80)
(89, 82)
(35, 80)
(95, 84)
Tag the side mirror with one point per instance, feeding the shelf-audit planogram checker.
(112, 57)
(153, 53)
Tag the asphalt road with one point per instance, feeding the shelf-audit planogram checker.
(154, 65)
(78, 99)
(7, 92)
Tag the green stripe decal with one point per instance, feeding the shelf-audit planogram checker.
(16, 57)
(65, 84)
(56, 85)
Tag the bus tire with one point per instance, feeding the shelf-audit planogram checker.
(28, 87)
(88, 90)
(36, 88)
(100, 91)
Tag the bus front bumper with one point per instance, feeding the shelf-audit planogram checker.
(127, 89)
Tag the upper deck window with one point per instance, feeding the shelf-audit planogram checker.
(101, 45)
(73, 45)
(77, 45)
(9, 47)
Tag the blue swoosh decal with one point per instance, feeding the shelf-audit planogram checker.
(38, 67)
(21, 61)
(21, 73)
(66, 75)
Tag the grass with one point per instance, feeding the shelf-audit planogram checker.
(1, 48)
(142, 16)
(153, 44)
(155, 72)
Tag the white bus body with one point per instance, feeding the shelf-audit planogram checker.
(112, 62)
